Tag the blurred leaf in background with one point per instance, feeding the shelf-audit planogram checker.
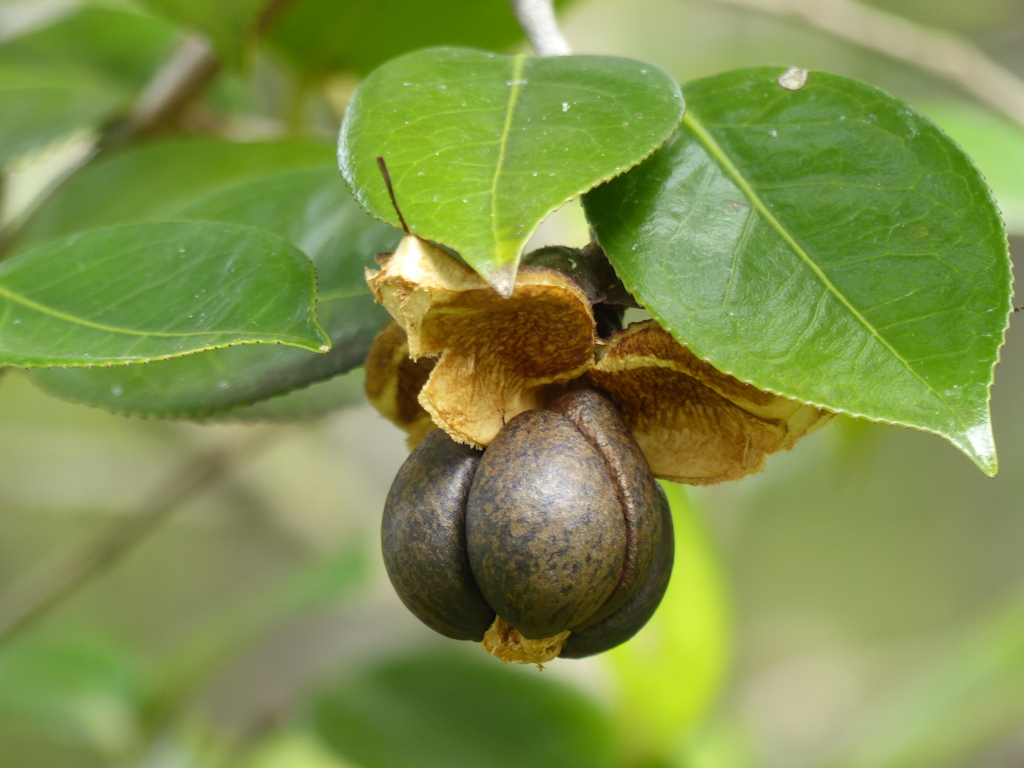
(324, 36)
(42, 105)
(971, 697)
(72, 699)
(75, 72)
(669, 676)
(442, 710)
(229, 24)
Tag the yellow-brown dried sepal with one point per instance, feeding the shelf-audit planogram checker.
(504, 641)
(694, 423)
(494, 354)
(394, 381)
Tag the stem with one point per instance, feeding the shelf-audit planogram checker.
(186, 73)
(272, 11)
(31, 599)
(939, 53)
(537, 18)
(189, 69)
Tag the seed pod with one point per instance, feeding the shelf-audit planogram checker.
(424, 541)
(631, 616)
(559, 528)
(639, 496)
(544, 529)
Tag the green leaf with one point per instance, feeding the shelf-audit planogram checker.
(310, 402)
(312, 210)
(157, 180)
(971, 699)
(996, 145)
(118, 44)
(482, 147)
(77, 689)
(688, 639)
(326, 581)
(229, 24)
(74, 74)
(825, 243)
(438, 711)
(322, 36)
(41, 105)
(293, 748)
(141, 292)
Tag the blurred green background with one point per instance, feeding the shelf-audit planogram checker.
(858, 605)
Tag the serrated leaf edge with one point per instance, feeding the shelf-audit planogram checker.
(970, 444)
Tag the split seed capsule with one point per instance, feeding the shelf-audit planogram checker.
(558, 527)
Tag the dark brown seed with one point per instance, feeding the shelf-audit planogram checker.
(629, 619)
(544, 528)
(635, 488)
(424, 542)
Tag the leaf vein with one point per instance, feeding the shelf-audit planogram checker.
(513, 96)
(709, 143)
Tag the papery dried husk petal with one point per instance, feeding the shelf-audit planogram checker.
(506, 643)
(494, 355)
(394, 381)
(694, 423)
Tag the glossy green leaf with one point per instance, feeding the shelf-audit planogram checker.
(42, 105)
(439, 711)
(481, 147)
(669, 675)
(157, 180)
(229, 24)
(141, 292)
(312, 210)
(317, 399)
(996, 146)
(826, 243)
(322, 36)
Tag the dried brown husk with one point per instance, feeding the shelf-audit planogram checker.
(394, 381)
(493, 355)
(506, 643)
(695, 424)
(462, 357)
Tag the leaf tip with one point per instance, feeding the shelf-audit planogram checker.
(503, 280)
(979, 446)
(321, 342)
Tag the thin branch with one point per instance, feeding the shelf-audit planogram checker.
(189, 69)
(937, 52)
(272, 11)
(186, 73)
(40, 592)
(537, 18)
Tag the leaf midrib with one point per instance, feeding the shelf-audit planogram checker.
(43, 309)
(709, 143)
(518, 63)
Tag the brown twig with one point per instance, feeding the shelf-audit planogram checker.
(188, 71)
(272, 12)
(935, 51)
(537, 18)
(37, 594)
